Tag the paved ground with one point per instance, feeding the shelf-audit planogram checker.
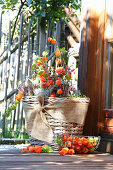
(11, 157)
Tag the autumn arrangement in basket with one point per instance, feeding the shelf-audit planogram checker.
(54, 81)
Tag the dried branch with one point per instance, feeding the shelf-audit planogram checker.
(21, 6)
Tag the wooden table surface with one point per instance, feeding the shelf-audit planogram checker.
(17, 160)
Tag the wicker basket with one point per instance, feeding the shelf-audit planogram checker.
(59, 126)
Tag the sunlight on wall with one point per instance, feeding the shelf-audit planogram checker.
(108, 32)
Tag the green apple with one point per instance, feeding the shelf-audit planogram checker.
(49, 149)
(96, 139)
(91, 139)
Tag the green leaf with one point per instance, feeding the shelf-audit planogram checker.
(68, 19)
(4, 7)
(7, 114)
(43, 150)
(43, 14)
(49, 149)
(72, 15)
(13, 107)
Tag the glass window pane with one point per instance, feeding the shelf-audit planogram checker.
(109, 81)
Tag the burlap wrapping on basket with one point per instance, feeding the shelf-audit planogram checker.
(64, 109)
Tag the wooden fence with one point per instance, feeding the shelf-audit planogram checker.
(15, 61)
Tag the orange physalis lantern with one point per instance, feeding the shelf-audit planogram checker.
(59, 91)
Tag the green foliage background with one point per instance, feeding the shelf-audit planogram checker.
(44, 10)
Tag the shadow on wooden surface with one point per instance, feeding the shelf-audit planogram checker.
(17, 160)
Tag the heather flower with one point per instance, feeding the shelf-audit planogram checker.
(47, 78)
(61, 70)
(58, 61)
(34, 74)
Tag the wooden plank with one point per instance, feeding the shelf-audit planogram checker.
(9, 95)
(47, 34)
(42, 39)
(19, 49)
(15, 87)
(24, 63)
(92, 115)
(18, 65)
(37, 37)
(21, 115)
(17, 160)
(17, 116)
(7, 77)
(58, 32)
(85, 52)
(74, 30)
(71, 40)
(107, 33)
(3, 56)
(62, 38)
(74, 19)
(82, 46)
(14, 116)
(32, 52)
(10, 58)
(108, 76)
(3, 90)
(28, 49)
(99, 59)
(1, 77)
(5, 99)
(0, 26)
(49, 45)
(109, 80)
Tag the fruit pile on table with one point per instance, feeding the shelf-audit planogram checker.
(38, 149)
(77, 144)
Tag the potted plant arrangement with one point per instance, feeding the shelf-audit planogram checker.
(51, 104)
